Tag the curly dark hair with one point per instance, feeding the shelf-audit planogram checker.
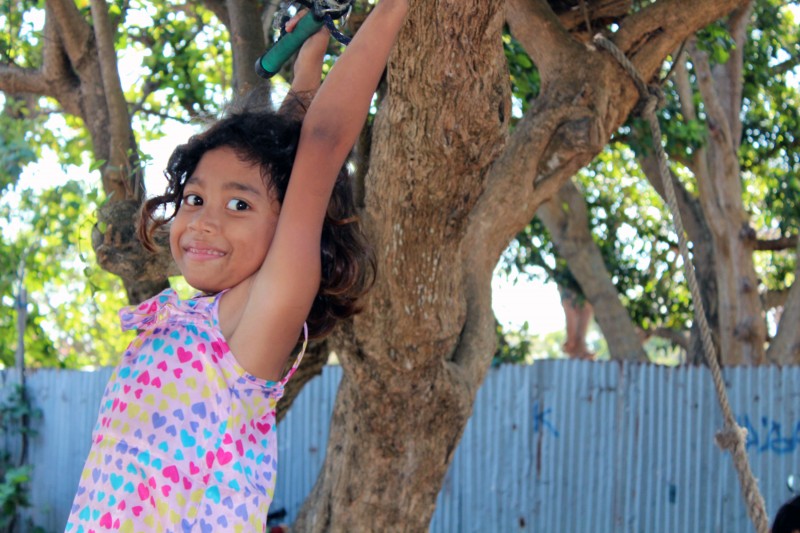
(269, 140)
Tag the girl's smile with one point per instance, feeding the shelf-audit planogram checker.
(225, 223)
(200, 252)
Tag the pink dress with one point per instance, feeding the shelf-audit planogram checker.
(185, 439)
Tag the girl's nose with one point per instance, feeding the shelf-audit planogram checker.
(205, 221)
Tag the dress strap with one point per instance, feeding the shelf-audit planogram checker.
(299, 358)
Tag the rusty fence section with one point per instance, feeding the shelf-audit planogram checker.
(556, 446)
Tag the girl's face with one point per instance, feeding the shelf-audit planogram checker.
(225, 224)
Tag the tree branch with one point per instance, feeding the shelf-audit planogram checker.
(690, 211)
(247, 43)
(139, 108)
(541, 34)
(717, 118)
(601, 12)
(585, 96)
(648, 35)
(773, 299)
(676, 337)
(719, 145)
(76, 34)
(56, 68)
(587, 114)
(509, 201)
(219, 9)
(698, 229)
(16, 80)
(731, 93)
(684, 88)
(115, 171)
(776, 245)
(697, 162)
(785, 66)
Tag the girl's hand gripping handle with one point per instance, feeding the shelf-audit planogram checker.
(271, 62)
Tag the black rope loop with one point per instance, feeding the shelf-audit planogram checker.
(321, 10)
(335, 33)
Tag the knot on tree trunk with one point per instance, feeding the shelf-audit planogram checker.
(747, 330)
(748, 234)
(120, 252)
(570, 142)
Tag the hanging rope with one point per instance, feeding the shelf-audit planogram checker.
(732, 437)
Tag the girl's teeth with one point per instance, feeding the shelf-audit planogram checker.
(209, 252)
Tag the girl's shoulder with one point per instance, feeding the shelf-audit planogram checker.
(200, 310)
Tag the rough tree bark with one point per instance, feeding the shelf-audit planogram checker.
(741, 324)
(445, 195)
(395, 355)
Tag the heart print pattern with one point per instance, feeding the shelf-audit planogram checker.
(185, 439)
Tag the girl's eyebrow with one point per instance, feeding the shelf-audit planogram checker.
(229, 185)
(239, 186)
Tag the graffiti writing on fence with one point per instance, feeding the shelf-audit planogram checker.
(541, 421)
(771, 435)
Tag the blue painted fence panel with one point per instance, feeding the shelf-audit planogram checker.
(556, 446)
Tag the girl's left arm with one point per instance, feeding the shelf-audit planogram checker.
(284, 289)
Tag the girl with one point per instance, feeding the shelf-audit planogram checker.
(185, 438)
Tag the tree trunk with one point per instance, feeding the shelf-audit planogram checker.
(565, 217)
(703, 259)
(247, 44)
(444, 196)
(742, 327)
(785, 347)
(392, 438)
(402, 405)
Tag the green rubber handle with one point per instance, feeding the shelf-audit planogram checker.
(271, 62)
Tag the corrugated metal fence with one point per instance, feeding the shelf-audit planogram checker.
(556, 446)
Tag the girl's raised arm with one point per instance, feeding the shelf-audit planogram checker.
(341, 106)
(283, 290)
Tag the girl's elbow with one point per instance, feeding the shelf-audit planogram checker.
(326, 127)
(323, 135)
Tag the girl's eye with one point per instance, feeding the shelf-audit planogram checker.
(238, 205)
(192, 199)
